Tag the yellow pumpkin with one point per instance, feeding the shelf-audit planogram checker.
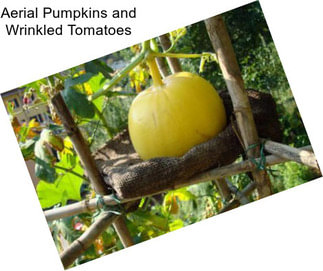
(170, 118)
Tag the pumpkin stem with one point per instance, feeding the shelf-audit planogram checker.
(154, 71)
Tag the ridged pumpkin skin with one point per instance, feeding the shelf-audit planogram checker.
(168, 120)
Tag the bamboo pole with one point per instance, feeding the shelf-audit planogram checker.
(301, 156)
(84, 206)
(162, 66)
(121, 229)
(69, 255)
(233, 169)
(95, 177)
(226, 189)
(79, 144)
(223, 189)
(238, 194)
(236, 202)
(80, 245)
(230, 69)
(217, 173)
(173, 63)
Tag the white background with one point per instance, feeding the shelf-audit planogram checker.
(283, 232)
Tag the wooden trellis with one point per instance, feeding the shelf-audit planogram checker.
(229, 193)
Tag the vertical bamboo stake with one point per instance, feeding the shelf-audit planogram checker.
(88, 162)
(121, 228)
(230, 69)
(223, 189)
(162, 66)
(173, 63)
(79, 144)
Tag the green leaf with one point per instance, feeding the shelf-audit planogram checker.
(183, 194)
(146, 218)
(64, 198)
(43, 168)
(53, 140)
(64, 227)
(116, 112)
(78, 103)
(176, 224)
(97, 82)
(54, 127)
(44, 171)
(44, 158)
(66, 187)
(27, 148)
(78, 80)
(97, 66)
(70, 162)
(48, 194)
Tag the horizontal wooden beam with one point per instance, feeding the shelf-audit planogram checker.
(217, 173)
(298, 155)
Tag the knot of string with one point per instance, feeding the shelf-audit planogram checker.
(260, 162)
(103, 207)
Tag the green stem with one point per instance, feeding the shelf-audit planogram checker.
(146, 53)
(175, 55)
(154, 45)
(101, 117)
(104, 121)
(70, 170)
(174, 42)
(155, 74)
(50, 81)
(116, 79)
(170, 49)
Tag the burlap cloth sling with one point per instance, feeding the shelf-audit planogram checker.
(131, 177)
